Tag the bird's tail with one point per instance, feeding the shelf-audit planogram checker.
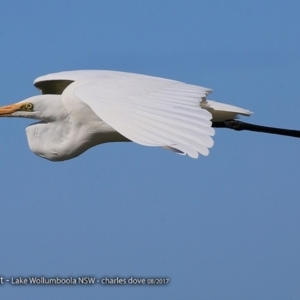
(222, 112)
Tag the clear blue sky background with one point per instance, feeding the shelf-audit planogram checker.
(224, 226)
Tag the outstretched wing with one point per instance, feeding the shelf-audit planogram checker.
(151, 111)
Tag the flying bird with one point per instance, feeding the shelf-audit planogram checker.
(81, 109)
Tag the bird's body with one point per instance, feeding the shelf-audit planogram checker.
(76, 129)
(80, 109)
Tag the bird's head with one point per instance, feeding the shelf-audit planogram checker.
(47, 136)
(43, 107)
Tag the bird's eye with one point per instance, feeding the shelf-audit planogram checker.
(29, 107)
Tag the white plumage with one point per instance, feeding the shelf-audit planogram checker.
(80, 109)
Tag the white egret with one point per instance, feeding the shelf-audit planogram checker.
(81, 109)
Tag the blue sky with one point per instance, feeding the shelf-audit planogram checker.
(224, 226)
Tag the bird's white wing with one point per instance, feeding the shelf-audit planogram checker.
(151, 111)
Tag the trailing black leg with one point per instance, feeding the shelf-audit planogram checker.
(239, 125)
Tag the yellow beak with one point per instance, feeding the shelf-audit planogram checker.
(10, 109)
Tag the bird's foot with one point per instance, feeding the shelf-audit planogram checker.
(234, 124)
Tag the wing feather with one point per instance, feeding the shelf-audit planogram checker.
(152, 111)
